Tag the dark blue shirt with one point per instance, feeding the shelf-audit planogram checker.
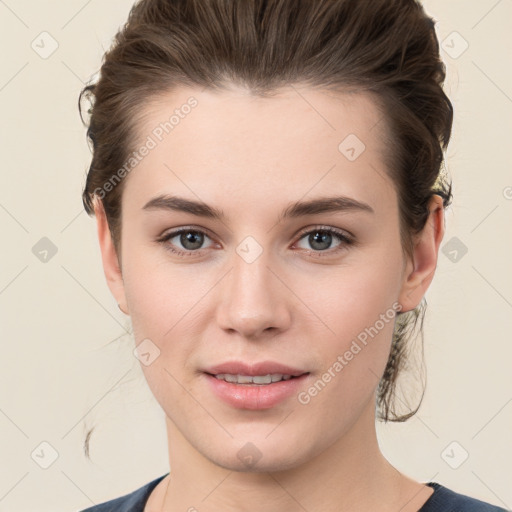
(442, 500)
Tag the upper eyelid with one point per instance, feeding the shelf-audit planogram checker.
(177, 231)
(320, 227)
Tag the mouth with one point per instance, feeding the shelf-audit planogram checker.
(242, 372)
(254, 380)
(257, 387)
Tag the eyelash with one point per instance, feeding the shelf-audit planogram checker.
(345, 240)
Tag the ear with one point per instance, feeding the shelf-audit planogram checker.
(419, 273)
(111, 266)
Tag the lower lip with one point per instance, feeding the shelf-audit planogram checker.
(255, 396)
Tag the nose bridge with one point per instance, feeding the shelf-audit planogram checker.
(252, 298)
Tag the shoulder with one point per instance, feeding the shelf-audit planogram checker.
(446, 500)
(133, 502)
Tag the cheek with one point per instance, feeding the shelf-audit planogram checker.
(357, 307)
(161, 301)
(348, 299)
(166, 303)
(353, 362)
(159, 293)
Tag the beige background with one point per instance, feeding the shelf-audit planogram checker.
(65, 364)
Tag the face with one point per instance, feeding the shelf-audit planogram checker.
(268, 272)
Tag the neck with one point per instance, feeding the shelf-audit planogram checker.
(352, 474)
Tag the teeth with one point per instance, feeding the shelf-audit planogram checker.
(257, 379)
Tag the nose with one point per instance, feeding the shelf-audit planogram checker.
(253, 300)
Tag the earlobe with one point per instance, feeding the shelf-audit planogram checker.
(420, 272)
(110, 260)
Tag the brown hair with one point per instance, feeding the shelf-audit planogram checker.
(386, 48)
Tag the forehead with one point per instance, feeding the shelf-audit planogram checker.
(232, 144)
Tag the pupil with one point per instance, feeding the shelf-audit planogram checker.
(320, 237)
(191, 240)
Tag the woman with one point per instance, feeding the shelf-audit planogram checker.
(266, 179)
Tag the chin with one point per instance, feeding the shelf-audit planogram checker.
(263, 465)
(257, 455)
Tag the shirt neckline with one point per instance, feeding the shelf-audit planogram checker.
(432, 499)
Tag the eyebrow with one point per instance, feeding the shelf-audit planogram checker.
(294, 210)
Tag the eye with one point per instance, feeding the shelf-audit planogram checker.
(321, 239)
(184, 241)
(189, 241)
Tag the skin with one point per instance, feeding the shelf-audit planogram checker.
(251, 157)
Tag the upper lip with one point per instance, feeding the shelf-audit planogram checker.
(253, 369)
